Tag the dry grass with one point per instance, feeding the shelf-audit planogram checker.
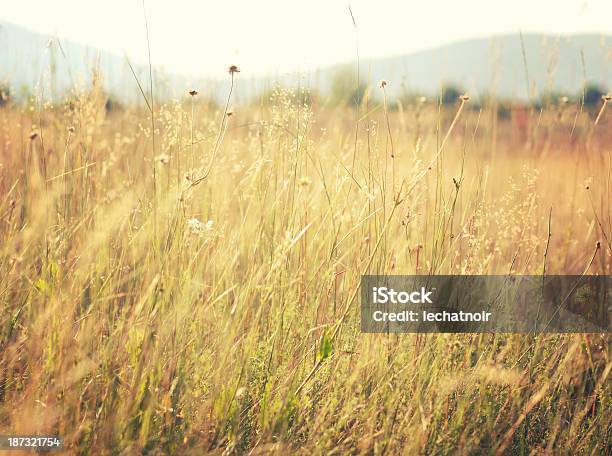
(125, 333)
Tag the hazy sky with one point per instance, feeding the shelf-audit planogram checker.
(264, 36)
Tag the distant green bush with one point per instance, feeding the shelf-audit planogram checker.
(346, 89)
(5, 95)
(450, 94)
(592, 95)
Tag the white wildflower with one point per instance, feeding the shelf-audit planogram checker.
(199, 228)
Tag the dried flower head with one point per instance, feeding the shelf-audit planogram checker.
(71, 129)
(304, 182)
(383, 84)
(164, 159)
(465, 97)
(33, 136)
(193, 92)
(229, 113)
(233, 69)
(607, 97)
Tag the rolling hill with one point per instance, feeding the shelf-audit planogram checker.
(29, 59)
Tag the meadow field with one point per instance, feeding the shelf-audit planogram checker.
(182, 277)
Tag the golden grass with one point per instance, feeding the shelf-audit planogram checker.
(125, 333)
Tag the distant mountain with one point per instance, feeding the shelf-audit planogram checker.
(498, 65)
(29, 59)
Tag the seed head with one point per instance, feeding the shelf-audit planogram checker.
(33, 136)
(607, 97)
(383, 84)
(193, 92)
(164, 159)
(229, 113)
(233, 69)
(465, 97)
(71, 129)
(304, 182)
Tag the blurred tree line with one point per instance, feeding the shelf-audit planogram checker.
(346, 90)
